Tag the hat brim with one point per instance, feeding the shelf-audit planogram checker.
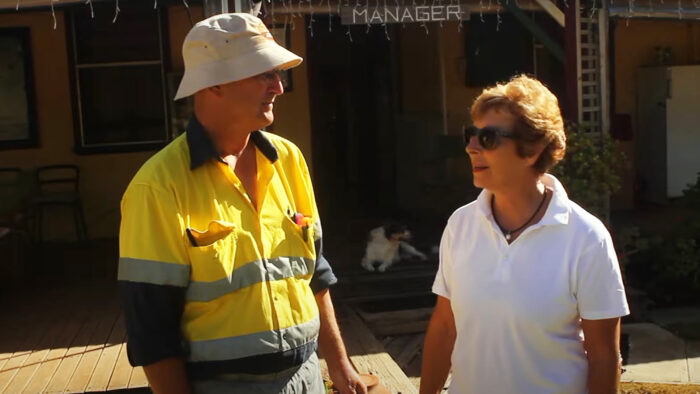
(270, 57)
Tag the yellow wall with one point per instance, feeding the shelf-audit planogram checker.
(459, 96)
(292, 116)
(635, 43)
(103, 177)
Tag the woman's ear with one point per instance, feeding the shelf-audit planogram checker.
(535, 152)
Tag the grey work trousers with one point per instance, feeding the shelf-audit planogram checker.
(305, 379)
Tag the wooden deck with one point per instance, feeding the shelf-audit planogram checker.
(61, 336)
(71, 339)
(67, 339)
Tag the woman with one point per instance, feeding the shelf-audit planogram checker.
(529, 288)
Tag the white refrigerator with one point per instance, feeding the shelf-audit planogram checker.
(668, 130)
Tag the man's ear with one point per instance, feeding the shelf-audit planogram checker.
(215, 90)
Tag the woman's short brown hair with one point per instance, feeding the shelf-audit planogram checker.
(538, 117)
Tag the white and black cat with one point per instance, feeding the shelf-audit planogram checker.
(388, 244)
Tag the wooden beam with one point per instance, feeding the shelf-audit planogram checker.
(535, 29)
(553, 11)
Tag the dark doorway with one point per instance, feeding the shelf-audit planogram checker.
(353, 98)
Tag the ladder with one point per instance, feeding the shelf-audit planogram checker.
(592, 68)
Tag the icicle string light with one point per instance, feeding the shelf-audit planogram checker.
(92, 10)
(53, 14)
(116, 11)
(311, 19)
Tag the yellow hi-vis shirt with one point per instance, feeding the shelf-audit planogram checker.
(245, 272)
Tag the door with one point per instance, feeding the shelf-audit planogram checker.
(353, 111)
(683, 128)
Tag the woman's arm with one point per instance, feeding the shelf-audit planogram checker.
(437, 348)
(602, 344)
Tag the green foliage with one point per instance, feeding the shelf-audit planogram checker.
(668, 267)
(589, 171)
(677, 260)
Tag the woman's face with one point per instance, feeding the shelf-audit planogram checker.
(501, 167)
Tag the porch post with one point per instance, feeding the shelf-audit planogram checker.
(571, 64)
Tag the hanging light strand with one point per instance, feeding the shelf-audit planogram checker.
(92, 10)
(116, 11)
(53, 14)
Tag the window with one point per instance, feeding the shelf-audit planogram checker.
(17, 105)
(118, 78)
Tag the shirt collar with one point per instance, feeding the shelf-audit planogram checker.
(202, 148)
(557, 210)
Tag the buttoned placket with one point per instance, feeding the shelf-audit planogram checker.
(503, 269)
(265, 173)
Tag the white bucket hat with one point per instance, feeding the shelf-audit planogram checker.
(229, 47)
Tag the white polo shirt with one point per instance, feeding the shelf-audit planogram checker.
(518, 307)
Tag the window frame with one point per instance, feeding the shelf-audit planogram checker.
(79, 132)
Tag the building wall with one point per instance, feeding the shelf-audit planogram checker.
(635, 43)
(292, 112)
(104, 177)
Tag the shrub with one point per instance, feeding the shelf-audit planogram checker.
(589, 171)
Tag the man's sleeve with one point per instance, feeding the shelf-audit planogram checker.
(153, 273)
(323, 276)
(599, 288)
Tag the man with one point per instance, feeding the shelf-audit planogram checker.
(225, 286)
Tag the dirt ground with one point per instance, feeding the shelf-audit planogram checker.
(657, 388)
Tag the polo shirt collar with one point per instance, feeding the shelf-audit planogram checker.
(557, 210)
(202, 148)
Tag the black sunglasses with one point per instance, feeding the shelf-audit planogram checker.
(489, 137)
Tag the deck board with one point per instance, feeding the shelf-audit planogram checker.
(90, 357)
(108, 358)
(122, 371)
(58, 348)
(70, 360)
(65, 339)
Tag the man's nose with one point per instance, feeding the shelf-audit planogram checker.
(276, 86)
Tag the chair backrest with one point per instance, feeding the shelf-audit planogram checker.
(58, 178)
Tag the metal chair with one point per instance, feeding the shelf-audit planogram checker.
(58, 185)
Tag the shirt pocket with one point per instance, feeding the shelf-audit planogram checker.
(213, 250)
(293, 240)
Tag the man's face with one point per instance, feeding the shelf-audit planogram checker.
(251, 100)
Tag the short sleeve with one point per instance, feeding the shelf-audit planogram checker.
(153, 273)
(152, 238)
(441, 283)
(600, 292)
